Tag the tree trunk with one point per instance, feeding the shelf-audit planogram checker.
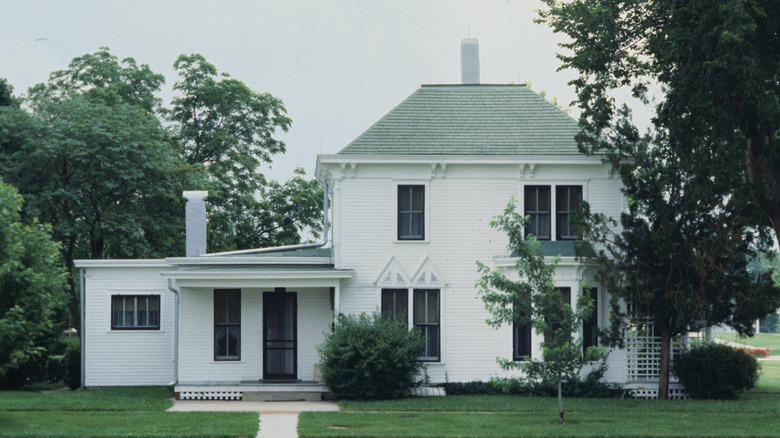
(663, 369)
(560, 400)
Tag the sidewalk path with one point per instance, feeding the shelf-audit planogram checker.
(277, 419)
(738, 345)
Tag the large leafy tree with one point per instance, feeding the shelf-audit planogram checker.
(532, 299)
(32, 283)
(230, 130)
(94, 161)
(702, 182)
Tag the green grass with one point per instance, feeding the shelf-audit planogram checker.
(113, 412)
(769, 379)
(636, 423)
(760, 340)
(756, 414)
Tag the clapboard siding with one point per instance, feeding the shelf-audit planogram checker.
(460, 204)
(126, 357)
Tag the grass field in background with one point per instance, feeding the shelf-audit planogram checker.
(113, 412)
(760, 340)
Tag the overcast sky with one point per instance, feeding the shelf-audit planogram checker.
(337, 65)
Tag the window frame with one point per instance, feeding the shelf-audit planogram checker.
(135, 298)
(227, 292)
(400, 236)
(424, 325)
(527, 334)
(560, 214)
(537, 212)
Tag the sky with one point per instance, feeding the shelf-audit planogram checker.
(338, 66)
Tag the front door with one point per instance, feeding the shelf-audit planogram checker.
(280, 352)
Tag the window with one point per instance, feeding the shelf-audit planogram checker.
(566, 297)
(227, 324)
(395, 304)
(411, 212)
(537, 207)
(521, 341)
(590, 325)
(567, 199)
(135, 312)
(426, 319)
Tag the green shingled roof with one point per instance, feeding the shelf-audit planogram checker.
(470, 120)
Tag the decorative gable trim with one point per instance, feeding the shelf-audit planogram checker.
(392, 275)
(427, 275)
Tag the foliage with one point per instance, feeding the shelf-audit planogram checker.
(46, 368)
(32, 284)
(534, 300)
(229, 129)
(715, 371)
(592, 386)
(692, 227)
(71, 364)
(770, 324)
(370, 357)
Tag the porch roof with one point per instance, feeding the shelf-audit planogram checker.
(259, 276)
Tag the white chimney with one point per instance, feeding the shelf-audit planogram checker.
(469, 61)
(195, 214)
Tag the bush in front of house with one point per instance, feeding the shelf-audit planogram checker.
(715, 371)
(370, 357)
(71, 364)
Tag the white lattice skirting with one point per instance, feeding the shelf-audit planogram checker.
(210, 395)
(674, 393)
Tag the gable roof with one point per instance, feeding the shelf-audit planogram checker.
(470, 119)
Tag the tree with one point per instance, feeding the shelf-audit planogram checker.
(717, 68)
(534, 300)
(229, 129)
(695, 179)
(94, 161)
(32, 283)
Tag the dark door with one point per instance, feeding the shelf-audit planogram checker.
(280, 349)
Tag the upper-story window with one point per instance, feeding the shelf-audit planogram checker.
(411, 212)
(537, 207)
(567, 199)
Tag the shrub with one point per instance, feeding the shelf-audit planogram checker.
(715, 371)
(370, 357)
(71, 364)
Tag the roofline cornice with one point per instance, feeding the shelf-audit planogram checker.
(248, 260)
(122, 263)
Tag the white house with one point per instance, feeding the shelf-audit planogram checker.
(412, 199)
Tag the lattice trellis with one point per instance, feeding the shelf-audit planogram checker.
(643, 349)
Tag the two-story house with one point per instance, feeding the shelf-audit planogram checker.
(411, 203)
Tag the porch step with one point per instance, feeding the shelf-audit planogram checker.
(282, 396)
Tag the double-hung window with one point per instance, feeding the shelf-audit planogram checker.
(566, 298)
(426, 319)
(521, 341)
(395, 304)
(567, 199)
(227, 324)
(411, 212)
(537, 207)
(590, 325)
(135, 312)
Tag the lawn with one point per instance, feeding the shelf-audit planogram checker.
(113, 412)
(756, 414)
(760, 340)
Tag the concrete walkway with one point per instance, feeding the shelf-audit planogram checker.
(738, 345)
(277, 419)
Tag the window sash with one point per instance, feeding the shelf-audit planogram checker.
(227, 324)
(537, 207)
(135, 312)
(567, 199)
(426, 318)
(395, 304)
(411, 212)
